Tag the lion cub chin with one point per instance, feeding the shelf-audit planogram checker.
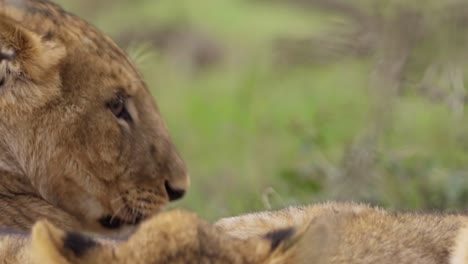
(323, 233)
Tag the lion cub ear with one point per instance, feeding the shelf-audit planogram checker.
(26, 58)
(52, 245)
(310, 243)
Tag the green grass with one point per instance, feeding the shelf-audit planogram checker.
(250, 129)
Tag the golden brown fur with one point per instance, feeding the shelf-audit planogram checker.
(14, 247)
(170, 237)
(82, 143)
(324, 233)
(354, 233)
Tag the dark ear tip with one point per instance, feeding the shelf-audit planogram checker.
(78, 243)
(278, 236)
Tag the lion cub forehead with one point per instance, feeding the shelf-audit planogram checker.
(127, 84)
(131, 82)
(109, 76)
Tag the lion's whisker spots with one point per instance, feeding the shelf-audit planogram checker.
(145, 208)
(124, 200)
(138, 203)
(144, 200)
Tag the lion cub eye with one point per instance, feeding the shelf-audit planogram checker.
(118, 107)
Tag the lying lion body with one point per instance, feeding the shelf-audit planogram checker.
(354, 233)
(324, 233)
(82, 143)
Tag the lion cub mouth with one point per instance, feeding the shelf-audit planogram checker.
(113, 222)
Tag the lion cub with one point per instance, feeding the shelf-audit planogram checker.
(323, 233)
(82, 142)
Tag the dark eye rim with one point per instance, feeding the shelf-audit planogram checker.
(117, 106)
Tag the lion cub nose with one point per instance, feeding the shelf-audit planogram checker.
(174, 193)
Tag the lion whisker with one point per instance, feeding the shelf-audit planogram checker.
(139, 211)
(114, 215)
(127, 213)
(120, 197)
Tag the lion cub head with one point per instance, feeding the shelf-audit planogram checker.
(169, 237)
(79, 126)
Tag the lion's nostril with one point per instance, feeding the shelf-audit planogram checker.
(174, 194)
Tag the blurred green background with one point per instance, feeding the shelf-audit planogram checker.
(273, 103)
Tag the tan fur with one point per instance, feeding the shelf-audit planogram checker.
(258, 223)
(170, 237)
(460, 253)
(353, 233)
(14, 248)
(63, 155)
(324, 233)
